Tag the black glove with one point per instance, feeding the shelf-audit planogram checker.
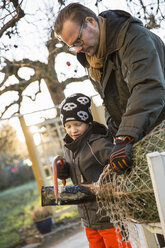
(62, 170)
(120, 158)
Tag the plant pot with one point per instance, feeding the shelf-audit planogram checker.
(45, 225)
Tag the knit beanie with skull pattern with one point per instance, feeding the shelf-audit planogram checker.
(76, 108)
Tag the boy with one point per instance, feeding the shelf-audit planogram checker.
(88, 145)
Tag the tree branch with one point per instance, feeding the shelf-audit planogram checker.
(15, 19)
(72, 80)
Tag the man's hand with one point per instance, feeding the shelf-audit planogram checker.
(120, 158)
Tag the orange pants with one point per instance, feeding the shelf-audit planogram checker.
(106, 238)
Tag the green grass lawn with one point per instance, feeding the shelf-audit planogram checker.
(16, 205)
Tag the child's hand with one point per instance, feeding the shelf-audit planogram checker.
(62, 170)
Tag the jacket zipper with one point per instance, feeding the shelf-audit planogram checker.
(74, 169)
(101, 165)
(94, 154)
(86, 210)
(87, 214)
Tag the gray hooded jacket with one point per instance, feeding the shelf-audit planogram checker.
(87, 156)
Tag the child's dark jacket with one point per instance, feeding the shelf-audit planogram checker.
(87, 156)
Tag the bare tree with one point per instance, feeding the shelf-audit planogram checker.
(45, 71)
(41, 71)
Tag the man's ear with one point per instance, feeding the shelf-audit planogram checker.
(90, 20)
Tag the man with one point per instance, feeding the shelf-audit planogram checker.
(126, 64)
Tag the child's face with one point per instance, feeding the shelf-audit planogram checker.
(75, 128)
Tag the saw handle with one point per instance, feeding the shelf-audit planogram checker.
(61, 162)
(58, 158)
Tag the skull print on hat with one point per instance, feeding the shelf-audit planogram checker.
(76, 108)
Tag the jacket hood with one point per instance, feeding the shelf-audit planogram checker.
(117, 22)
(98, 131)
